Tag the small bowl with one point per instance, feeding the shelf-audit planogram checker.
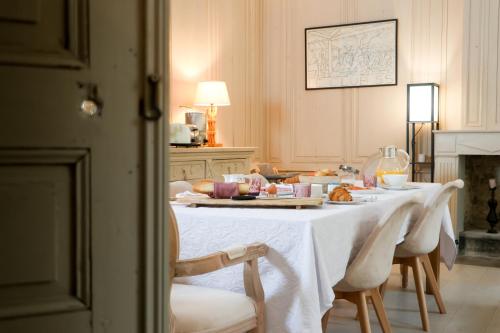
(395, 180)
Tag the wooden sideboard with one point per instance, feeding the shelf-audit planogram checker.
(193, 164)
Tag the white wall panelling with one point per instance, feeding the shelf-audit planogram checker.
(221, 40)
(328, 127)
(481, 51)
(257, 46)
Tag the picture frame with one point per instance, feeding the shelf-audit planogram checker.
(351, 55)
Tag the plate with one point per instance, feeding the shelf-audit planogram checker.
(243, 197)
(371, 191)
(186, 145)
(353, 202)
(399, 188)
(281, 176)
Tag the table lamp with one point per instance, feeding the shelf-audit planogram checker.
(212, 94)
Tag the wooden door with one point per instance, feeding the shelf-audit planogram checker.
(71, 182)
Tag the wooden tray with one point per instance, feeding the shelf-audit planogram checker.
(297, 203)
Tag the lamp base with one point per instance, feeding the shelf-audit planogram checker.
(211, 128)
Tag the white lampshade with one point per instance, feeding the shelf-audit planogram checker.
(212, 93)
(423, 103)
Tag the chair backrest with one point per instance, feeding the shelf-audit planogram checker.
(423, 237)
(173, 237)
(372, 265)
(173, 240)
(179, 187)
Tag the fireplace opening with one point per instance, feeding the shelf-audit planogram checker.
(479, 169)
(480, 173)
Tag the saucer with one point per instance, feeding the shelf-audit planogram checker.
(399, 188)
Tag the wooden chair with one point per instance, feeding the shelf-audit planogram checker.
(199, 309)
(421, 240)
(371, 268)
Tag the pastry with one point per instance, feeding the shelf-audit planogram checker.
(340, 194)
(292, 180)
(206, 186)
(325, 172)
(272, 190)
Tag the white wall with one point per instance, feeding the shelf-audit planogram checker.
(481, 58)
(257, 46)
(328, 127)
(221, 40)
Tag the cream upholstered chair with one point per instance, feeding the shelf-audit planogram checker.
(199, 309)
(179, 187)
(421, 240)
(371, 267)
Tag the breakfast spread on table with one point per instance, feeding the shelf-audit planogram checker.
(345, 186)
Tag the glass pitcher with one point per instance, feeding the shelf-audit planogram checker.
(392, 161)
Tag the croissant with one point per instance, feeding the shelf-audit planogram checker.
(340, 194)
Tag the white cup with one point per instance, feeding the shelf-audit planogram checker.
(234, 178)
(316, 190)
(395, 180)
(421, 158)
(331, 187)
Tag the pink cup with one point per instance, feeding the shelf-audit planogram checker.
(301, 190)
(370, 181)
(255, 184)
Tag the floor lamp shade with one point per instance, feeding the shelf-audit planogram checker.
(423, 103)
(423, 109)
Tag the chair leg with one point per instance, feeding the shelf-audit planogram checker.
(324, 320)
(432, 283)
(382, 288)
(380, 311)
(364, 320)
(420, 292)
(403, 268)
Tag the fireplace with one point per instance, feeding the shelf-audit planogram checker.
(479, 170)
(473, 156)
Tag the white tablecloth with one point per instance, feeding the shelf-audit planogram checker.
(309, 251)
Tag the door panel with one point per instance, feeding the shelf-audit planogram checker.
(71, 185)
(187, 170)
(44, 232)
(44, 33)
(220, 167)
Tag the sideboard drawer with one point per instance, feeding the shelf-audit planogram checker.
(220, 167)
(190, 170)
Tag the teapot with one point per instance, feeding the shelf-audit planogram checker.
(388, 160)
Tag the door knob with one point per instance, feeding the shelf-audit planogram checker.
(91, 106)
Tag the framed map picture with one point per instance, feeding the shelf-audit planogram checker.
(352, 55)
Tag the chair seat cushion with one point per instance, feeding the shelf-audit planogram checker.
(199, 309)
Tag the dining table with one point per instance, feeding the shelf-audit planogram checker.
(309, 249)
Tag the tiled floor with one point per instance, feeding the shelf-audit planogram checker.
(471, 295)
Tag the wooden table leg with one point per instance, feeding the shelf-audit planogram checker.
(435, 258)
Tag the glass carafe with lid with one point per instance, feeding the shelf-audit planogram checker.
(392, 161)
